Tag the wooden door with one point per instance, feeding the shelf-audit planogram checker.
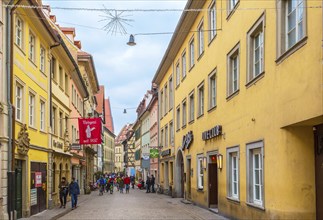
(188, 179)
(38, 190)
(319, 171)
(213, 185)
(18, 180)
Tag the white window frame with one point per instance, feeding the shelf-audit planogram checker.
(161, 103)
(171, 90)
(212, 21)
(231, 5)
(200, 34)
(19, 36)
(299, 7)
(171, 132)
(31, 109)
(192, 53)
(61, 123)
(32, 46)
(166, 99)
(42, 55)
(192, 106)
(178, 118)
(19, 99)
(54, 120)
(200, 99)
(200, 172)
(258, 29)
(42, 118)
(166, 136)
(177, 73)
(255, 174)
(183, 64)
(61, 76)
(212, 89)
(233, 71)
(233, 173)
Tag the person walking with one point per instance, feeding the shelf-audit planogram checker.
(132, 180)
(74, 191)
(126, 181)
(63, 191)
(152, 183)
(148, 184)
(121, 185)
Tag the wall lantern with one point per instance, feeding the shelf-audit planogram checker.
(131, 41)
(204, 162)
(220, 161)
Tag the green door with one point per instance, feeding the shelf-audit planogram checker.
(19, 188)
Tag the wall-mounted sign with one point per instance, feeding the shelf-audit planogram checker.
(212, 133)
(187, 140)
(165, 153)
(38, 179)
(33, 196)
(75, 146)
(57, 144)
(90, 130)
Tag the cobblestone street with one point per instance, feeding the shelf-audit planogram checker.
(137, 205)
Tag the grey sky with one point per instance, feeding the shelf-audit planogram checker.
(126, 72)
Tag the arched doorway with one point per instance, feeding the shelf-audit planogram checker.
(179, 174)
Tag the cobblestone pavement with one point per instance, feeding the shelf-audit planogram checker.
(137, 205)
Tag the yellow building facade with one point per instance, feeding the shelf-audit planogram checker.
(243, 92)
(32, 39)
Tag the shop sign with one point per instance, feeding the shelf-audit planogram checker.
(154, 153)
(187, 140)
(165, 153)
(57, 144)
(212, 133)
(75, 146)
(38, 179)
(33, 196)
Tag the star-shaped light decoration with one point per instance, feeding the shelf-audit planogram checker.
(116, 22)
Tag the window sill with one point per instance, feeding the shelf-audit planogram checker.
(19, 122)
(191, 68)
(256, 206)
(184, 126)
(200, 116)
(291, 50)
(233, 95)
(256, 79)
(230, 13)
(183, 78)
(200, 190)
(211, 109)
(178, 130)
(191, 121)
(32, 127)
(235, 200)
(177, 86)
(32, 62)
(43, 73)
(200, 56)
(212, 39)
(42, 131)
(20, 49)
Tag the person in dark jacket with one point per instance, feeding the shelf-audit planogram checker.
(152, 183)
(63, 191)
(148, 184)
(74, 191)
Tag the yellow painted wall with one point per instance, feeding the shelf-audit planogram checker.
(272, 109)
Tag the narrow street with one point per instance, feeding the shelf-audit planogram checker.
(137, 205)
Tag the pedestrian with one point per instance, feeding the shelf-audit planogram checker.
(152, 183)
(74, 191)
(148, 185)
(126, 181)
(132, 180)
(121, 185)
(63, 191)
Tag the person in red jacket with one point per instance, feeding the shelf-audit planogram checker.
(126, 181)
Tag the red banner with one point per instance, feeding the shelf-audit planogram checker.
(90, 130)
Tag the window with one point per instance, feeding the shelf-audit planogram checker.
(178, 77)
(184, 65)
(256, 50)
(73, 94)
(54, 129)
(212, 21)
(232, 4)
(19, 104)
(291, 28)
(61, 79)
(200, 33)
(32, 42)
(201, 100)
(233, 173)
(42, 115)
(161, 103)
(171, 133)
(212, 90)
(166, 99)
(178, 118)
(184, 113)
(19, 32)
(192, 53)
(191, 111)
(42, 59)
(53, 69)
(31, 110)
(200, 173)
(255, 174)
(166, 136)
(233, 71)
(162, 137)
(66, 83)
(60, 122)
(171, 99)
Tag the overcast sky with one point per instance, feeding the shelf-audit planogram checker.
(126, 72)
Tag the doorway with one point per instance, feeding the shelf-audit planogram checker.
(188, 179)
(180, 175)
(318, 140)
(38, 187)
(213, 182)
(18, 180)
